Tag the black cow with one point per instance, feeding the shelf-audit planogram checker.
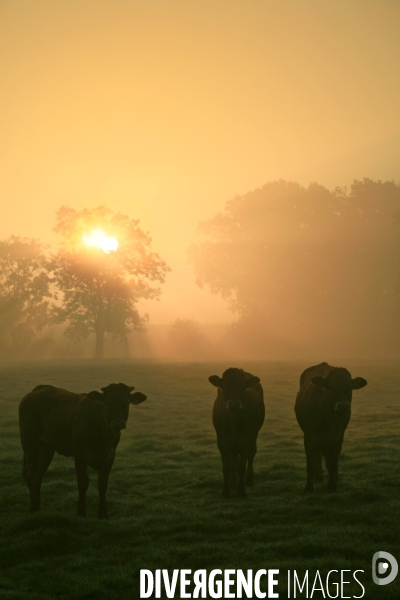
(85, 426)
(238, 415)
(323, 409)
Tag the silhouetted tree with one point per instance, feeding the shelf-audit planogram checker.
(305, 257)
(25, 282)
(185, 339)
(100, 290)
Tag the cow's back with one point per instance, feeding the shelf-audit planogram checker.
(48, 413)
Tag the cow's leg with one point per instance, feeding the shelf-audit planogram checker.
(226, 471)
(331, 460)
(45, 458)
(234, 466)
(310, 457)
(241, 469)
(102, 482)
(25, 468)
(250, 458)
(83, 484)
(226, 467)
(36, 463)
(30, 470)
(318, 473)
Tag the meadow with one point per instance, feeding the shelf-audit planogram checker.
(164, 499)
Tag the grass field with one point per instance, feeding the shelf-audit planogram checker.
(164, 492)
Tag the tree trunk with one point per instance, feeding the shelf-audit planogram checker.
(99, 328)
(99, 349)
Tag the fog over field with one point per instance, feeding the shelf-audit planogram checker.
(255, 145)
(164, 493)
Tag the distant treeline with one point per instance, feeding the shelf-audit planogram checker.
(304, 270)
(308, 267)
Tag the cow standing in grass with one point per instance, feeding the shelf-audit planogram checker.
(323, 409)
(238, 415)
(85, 426)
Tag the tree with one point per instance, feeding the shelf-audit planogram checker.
(101, 289)
(308, 261)
(186, 340)
(25, 290)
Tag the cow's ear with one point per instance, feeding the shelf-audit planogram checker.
(137, 398)
(252, 381)
(215, 380)
(319, 381)
(95, 396)
(358, 382)
(131, 388)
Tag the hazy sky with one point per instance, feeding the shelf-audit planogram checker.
(164, 110)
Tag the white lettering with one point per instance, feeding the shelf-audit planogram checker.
(257, 578)
(335, 584)
(157, 592)
(228, 583)
(359, 583)
(146, 580)
(215, 591)
(342, 582)
(184, 583)
(320, 589)
(200, 579)
(272, 583)
(170, 587)
(242, 583)
(305, 583)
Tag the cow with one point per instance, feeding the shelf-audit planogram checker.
(85, 426)
(323, 409)
(238, 415)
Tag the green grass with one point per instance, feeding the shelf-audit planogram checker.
(164, 492)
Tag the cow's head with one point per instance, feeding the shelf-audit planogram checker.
(116, 398)
(339, 386)
(234, 383)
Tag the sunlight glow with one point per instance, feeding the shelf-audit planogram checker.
(98, 239)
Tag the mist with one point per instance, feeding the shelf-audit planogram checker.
(184, 117)
(304, 271)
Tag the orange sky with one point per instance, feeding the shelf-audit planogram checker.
(165, 110)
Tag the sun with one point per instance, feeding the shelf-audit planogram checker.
(98, 239)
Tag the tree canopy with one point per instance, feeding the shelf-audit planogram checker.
(185, 339)
(101, 290)
(305, 258)
(25, 292)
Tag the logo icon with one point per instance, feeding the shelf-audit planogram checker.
(381, 561)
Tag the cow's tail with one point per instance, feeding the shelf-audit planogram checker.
(25, 468)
